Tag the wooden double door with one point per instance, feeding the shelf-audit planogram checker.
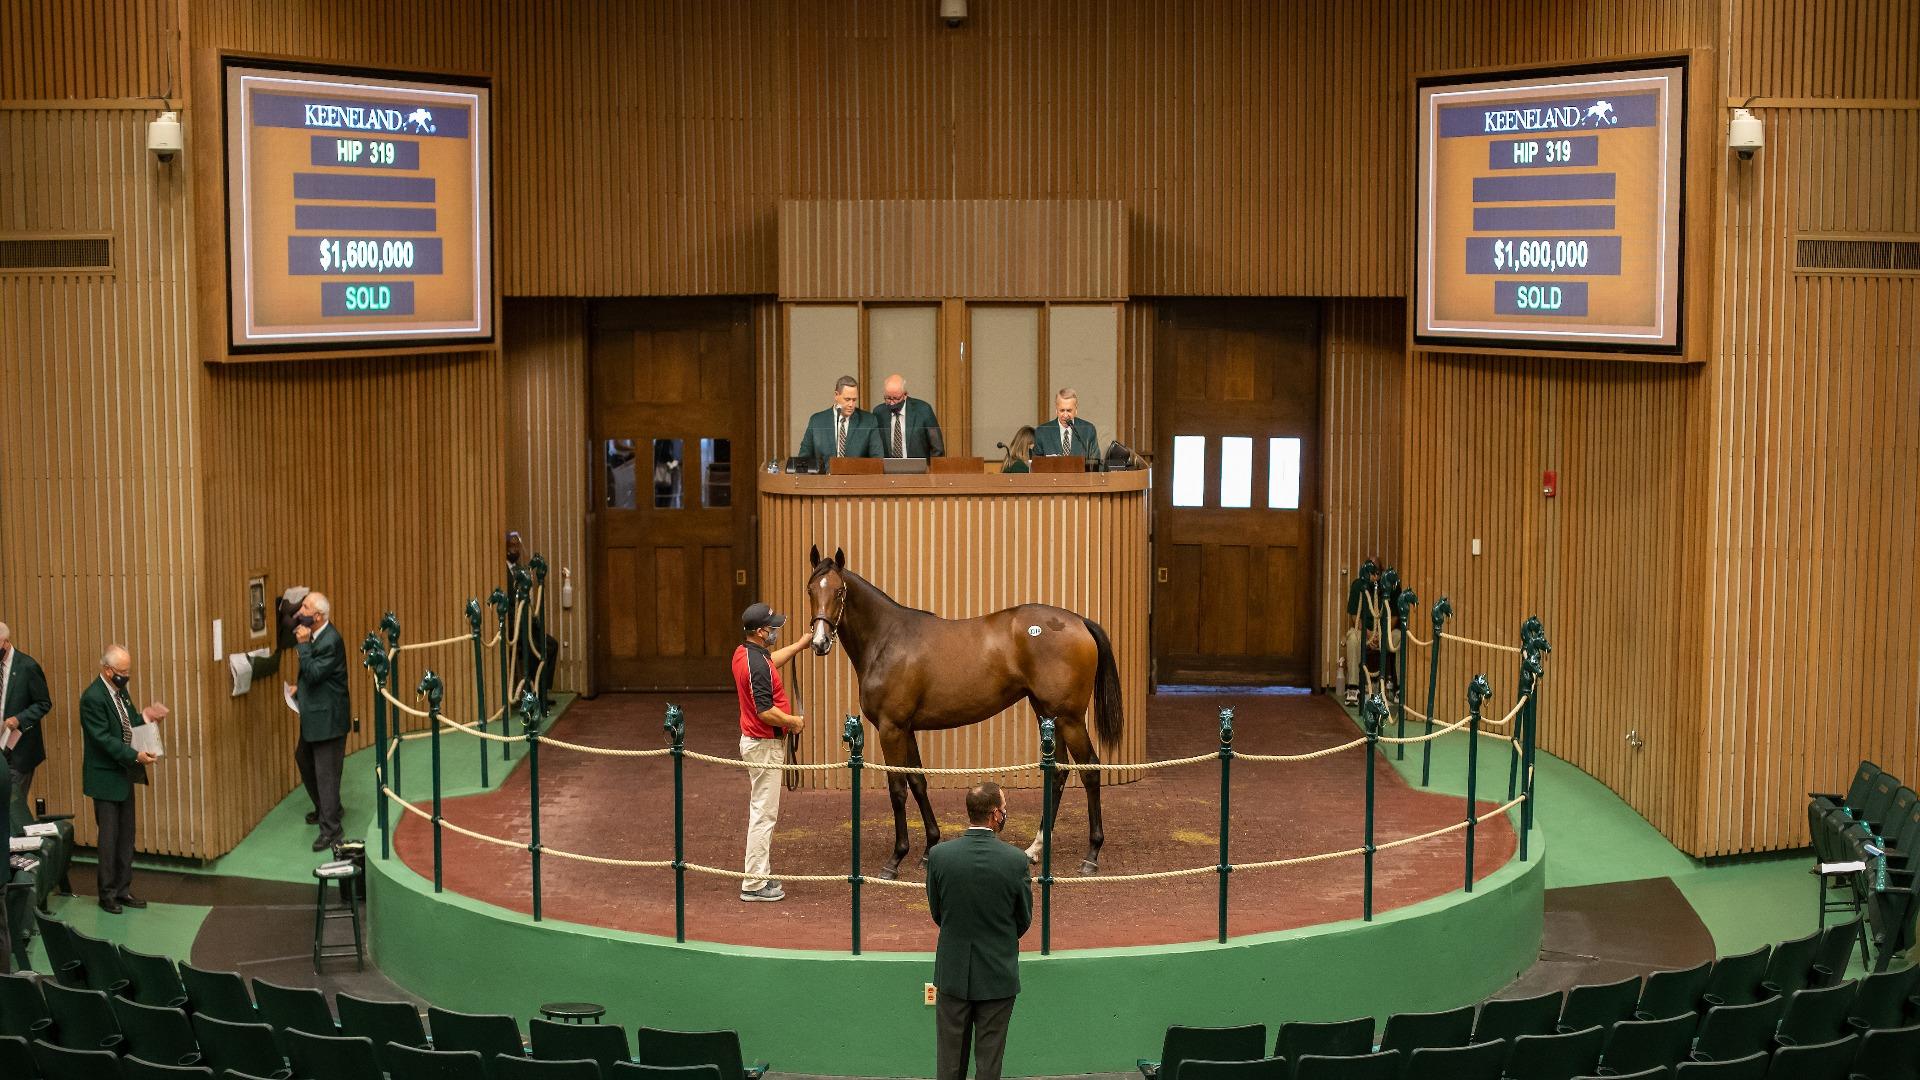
(673, 465)
(1236, 415)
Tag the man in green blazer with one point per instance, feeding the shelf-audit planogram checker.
(110, 766)
(982, 899)
(24, 702)
(1066, 433)
(842, 430)
(908, 428)
(325, 714)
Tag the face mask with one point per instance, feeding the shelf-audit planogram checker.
(513, 558)
(121, 681)
(773, 636)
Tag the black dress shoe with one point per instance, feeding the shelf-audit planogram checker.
(323, 843)
(132, 902)
(109, 905)
(313, 818)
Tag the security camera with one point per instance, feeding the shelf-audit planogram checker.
(163, 136)
(954, 12)
(1745, 135)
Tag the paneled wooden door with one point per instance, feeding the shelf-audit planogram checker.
(1236, 389)
(673, 498)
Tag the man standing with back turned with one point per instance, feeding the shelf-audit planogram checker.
(982, 900)
(325, 715)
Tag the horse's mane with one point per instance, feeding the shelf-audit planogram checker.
(824, 564)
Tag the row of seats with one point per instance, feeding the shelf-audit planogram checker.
(1877, 818)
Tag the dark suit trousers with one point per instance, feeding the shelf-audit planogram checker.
(320, 764)
(960, 1022)
(116, 845)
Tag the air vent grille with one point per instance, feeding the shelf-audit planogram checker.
(55, 253)
(1857, 255)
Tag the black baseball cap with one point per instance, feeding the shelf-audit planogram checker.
(760, 615)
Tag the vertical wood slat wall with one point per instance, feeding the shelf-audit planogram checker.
(100, 475)
(961, 556)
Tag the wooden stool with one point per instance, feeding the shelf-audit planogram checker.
(573, 1012)
(324, 912)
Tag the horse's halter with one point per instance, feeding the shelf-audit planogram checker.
(833, 624)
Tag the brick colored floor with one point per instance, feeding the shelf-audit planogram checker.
(623, 808)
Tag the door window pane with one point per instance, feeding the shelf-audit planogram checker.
(620, 474)
(716, 472)
(1189, 470)
(1236, 471)
(666, 473)
(1283, 474)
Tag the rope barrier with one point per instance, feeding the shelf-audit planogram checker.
(1136, 767)
(444, 823)
(1331, 750)
(607, 751)
(434, 644)
(782, 766)
(1515, 649)
(911, 770)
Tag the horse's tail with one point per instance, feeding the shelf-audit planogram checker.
(1109, 717)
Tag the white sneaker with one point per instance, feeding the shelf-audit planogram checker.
(766, 893)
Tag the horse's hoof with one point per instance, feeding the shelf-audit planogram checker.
(1088, 868)
(887, 873)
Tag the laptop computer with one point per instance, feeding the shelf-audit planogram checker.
(895, 465)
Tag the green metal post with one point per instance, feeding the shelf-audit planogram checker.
(499, 602)
(1514, 765)
(1226, 817)
(1540, 647)
(1529, 680)
(1047, 771)
(391, 624)
(1403, 608)
(1477, 693)
(1442, 611)
(856, 739)
(1374, 712)
(375, 660)
(530, 723)
(677, 735)
(430, 686)
(537, 615)
(480, 684)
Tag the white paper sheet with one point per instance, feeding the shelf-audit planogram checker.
(287, 693)
(146, 740)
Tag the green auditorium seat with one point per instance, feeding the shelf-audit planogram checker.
(1247, 1042)
(1605, 1004)
(1670, 993)
(57, 937)
(135, 1068)
(162, 1036)
(1382, 1066)
(235, 1074)
(1815, 1061)
(508, 1067)
(294, 1008)
(383, 1022)
(1816, 1015)
(1635, 1045)
(1336, 1038)
(1555, 1057)
(156, 981)
(331, 1057)
(1857, 789)
(101, 962)
(243, 1047)
(1478, 1061)
(1735, 980)
(413, 1063)
(1790, 967)
(16, 1058)
(23, 1008)
(656, 1046)
(1507, 1018)
(1882, 1000)
(1268, 1068)
(1409, 1031)
(489, 1033)
(64, 1063)
(1889, 1054)
(555, 1041)
(82, 1019)
(1751, 1067)
(1658, 1072)
(1731, 1032)
(220, 994)
(1836, 950)
(633, 1070)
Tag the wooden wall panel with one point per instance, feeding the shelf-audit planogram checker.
(1363, 357)
(96, 49)
(548, 453)
(962, 553)
(100, 478)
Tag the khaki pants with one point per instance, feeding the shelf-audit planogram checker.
(763, 806)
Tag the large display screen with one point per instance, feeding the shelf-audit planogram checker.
(1550, 210)
(359, 212)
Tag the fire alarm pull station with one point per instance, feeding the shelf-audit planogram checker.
(1550, 483)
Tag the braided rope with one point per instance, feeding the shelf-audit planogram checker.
(736, 763)
(1137, 767)
(474, 730)
(1515, 649)
(1329, 751)
(1298, 860)
(434, 644)
(982, 771)
(841, 879)
(601, 860)
(1415, 638)
(444, 823)
(1121, 879)
(607, 751)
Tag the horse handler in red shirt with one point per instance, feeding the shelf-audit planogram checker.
(764, 712)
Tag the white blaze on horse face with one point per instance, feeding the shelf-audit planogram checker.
(822, 644)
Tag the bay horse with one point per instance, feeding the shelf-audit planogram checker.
(920, 672)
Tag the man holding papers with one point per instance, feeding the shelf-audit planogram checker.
(23, 704)
(110, 766)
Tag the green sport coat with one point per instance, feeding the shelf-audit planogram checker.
(982, 899)
(863, 436)
(27, 699)
(1046, 438)
(108, 766)
(921, 432)
(325, 711)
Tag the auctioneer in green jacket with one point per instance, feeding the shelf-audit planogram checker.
(982, 899)
(325, 712)
(109, 767)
